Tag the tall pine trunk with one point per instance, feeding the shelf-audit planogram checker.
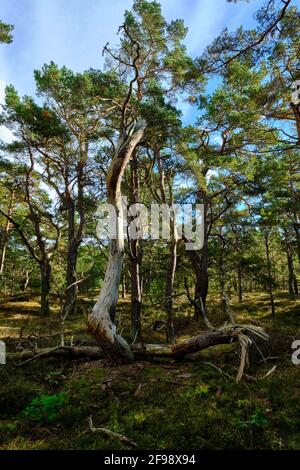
(45, 269)
(6, 233)
(136, 291)
(135, 259)
(291, 276)
(292, 281)
(200, 264)
(169, 290)
(269, 286)
(240, 286)
(71, 291)
(75, 232)
(172, 261)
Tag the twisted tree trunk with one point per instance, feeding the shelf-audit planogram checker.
(101, 320)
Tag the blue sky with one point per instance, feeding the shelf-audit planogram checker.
(73, 32)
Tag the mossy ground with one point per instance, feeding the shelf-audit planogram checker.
(164, 405)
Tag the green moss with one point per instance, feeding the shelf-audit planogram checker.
(184, 405)
(16, 395)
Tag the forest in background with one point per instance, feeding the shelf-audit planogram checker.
(216, 324)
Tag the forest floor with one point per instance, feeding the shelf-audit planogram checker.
(191, 404)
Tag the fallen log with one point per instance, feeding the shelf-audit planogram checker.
(225, 335)
(190, 346)
(29, 355)
(91, 352)
(210, 338)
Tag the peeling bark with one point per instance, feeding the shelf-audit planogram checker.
(101, 320)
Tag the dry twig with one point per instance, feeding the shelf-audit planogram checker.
(112, 434)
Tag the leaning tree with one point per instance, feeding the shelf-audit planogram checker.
(150, 52)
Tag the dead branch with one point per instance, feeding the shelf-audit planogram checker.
(199, 308)
(29, 355)
(112, 434)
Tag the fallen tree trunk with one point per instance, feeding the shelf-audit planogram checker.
(177, 351)
(211, 338)
(190, 346)
(28, 355)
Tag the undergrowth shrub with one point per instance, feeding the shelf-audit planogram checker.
(45, 408)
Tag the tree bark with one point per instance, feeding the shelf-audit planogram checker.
(292, 282)
(136, 291)
(147, 351)
(197, 343)
(172, 261)
(45, 268)
(169, 290)
(296, 217)
(197, 302)
(199, 262)
(75, 233)
(270, 287)
(240, 286)
(135, 260)
(101, 320)
(25, 280)
(72, 251)
(123, 287)
(6, 233)
(296, 290)
(291, 276)
(13, 271)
